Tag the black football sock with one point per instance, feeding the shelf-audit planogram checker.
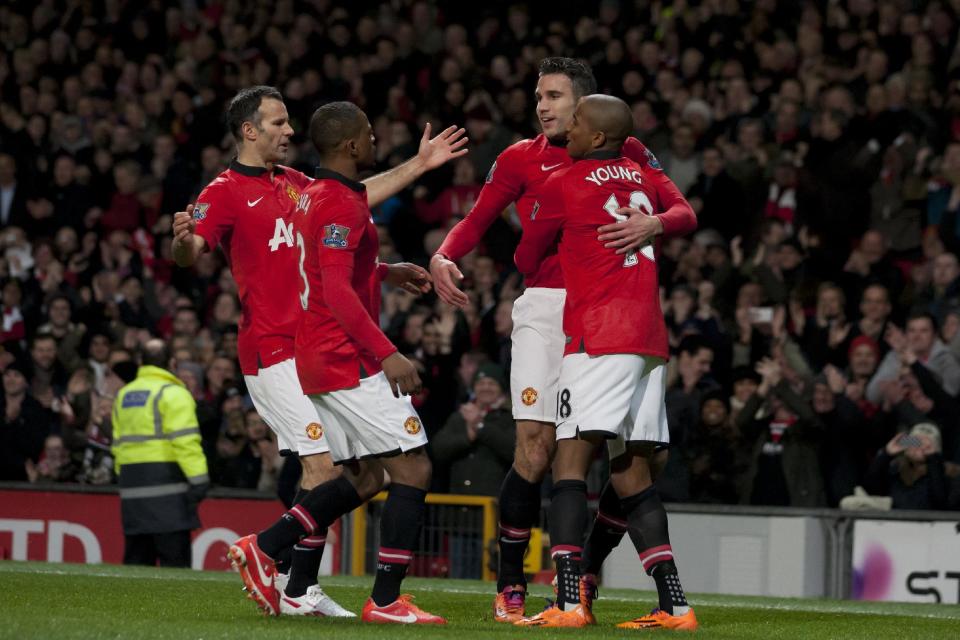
(321, 506)
(568, 520)
(400, 527)
(607, 531)
(647, 526)
(305, 559)
(519, 511)
(285, 556)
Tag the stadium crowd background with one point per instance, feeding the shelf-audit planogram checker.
(814, 316)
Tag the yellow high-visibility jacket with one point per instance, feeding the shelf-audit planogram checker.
(156, 446)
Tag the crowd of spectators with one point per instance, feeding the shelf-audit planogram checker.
(814, 317)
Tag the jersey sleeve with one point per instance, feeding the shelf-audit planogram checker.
(215, 212)
(674, 211)
(503, 185)
(546, 220)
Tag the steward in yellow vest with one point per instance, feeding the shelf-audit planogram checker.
(160, 463)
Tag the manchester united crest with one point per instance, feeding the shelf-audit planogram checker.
(412, 425)
(314, 431)
(529, 396)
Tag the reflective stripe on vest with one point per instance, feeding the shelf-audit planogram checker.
(156, 491)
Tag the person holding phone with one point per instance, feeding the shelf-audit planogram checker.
(910, 469)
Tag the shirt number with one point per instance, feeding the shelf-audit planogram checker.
(638, 200)
(282, 234)
(305, 294)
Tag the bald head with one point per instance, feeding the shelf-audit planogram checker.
(155, 353)
(600, 123)
(608, 115)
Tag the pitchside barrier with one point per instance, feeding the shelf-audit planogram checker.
(911, 556)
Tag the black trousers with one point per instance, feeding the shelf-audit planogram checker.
(169, 549)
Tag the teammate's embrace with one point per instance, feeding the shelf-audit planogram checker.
(519, 175)
(616, 337)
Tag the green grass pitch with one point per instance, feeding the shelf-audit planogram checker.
(81, 601)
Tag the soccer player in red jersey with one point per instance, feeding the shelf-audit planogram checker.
(247, 210)
(519, 175)
(617, 338)
(355, 377)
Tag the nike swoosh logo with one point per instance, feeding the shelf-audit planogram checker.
(407, 619)
(264, 579)
(253, 203)
(544, 167)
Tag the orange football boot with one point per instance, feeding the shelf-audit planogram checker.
(658, 619)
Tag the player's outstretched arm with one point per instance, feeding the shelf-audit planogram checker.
(187, 245)
(407, 276)
(434, 152)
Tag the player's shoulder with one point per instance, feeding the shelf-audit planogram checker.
(295, 176)
(639, 153)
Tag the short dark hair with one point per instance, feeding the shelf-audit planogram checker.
(581, 77)
(923, 314)
(692, 344)
(333, 123)
(41, 337)
(244, 107)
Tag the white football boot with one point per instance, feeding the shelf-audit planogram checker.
(313, 603)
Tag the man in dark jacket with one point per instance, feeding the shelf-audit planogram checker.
(477, 441)
(24, 424)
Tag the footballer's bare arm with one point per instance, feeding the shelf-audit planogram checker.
(187, 245)
(434, 152)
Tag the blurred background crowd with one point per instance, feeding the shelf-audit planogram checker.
(814, 317)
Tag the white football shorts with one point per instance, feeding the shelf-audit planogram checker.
(536, 353)
(280, 401)
(620, 395)
(366, 421)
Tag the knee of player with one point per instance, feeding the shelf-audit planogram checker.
(367, 478)
(535, 460)
(317, 469)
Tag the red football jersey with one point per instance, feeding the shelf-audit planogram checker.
(338, 335)
(247, 211)
(519, 175)
(613, 301)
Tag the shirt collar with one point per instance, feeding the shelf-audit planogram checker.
(252, 172)
(602, 155)
(320, 173)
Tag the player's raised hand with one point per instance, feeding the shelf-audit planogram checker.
(629, 235)
(409, 277)
(402, 375)
(184, 224)
(447, 145)
(446, 275)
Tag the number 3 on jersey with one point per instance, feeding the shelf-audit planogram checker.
(638, 200)
(305, 294)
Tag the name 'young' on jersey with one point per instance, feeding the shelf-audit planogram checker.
(613, 301)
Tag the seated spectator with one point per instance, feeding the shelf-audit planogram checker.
(910, 469)
(477, 441)
(920, 343)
